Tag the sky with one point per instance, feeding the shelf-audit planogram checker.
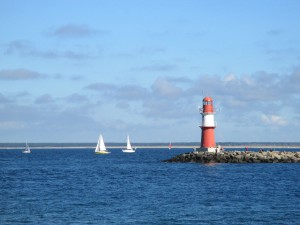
(70, 70)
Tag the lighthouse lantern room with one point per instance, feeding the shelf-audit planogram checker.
(208, 126)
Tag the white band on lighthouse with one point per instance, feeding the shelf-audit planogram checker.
(208, 120)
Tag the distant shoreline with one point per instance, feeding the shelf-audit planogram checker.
(148, 146)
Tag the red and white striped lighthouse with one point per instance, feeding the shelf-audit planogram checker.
(208, 127)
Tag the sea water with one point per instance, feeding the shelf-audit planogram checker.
(76, 186)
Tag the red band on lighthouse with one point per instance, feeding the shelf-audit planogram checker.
(208, 138)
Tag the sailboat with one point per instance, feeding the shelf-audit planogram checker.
(27, 149)
(170, 146)
(100, 148)
(129, 148)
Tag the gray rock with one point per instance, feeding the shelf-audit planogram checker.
(238, 157)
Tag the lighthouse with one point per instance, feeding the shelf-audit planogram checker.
(208, 127)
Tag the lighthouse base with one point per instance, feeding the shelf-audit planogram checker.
(217, 149)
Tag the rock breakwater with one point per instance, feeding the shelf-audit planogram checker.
(238, 157)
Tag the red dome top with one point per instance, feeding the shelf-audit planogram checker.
(208, 105)
(208, 99)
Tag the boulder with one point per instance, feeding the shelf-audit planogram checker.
(238, 157)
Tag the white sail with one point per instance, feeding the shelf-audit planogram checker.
(128, 148)
(100, 148)
(102, 145)
(128, 143)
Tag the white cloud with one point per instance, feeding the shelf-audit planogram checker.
(273, 120)
(166, 101)
(165, 88)
(76, 98)
(20, 74)
(44, 99)
(75, 52)
(229, 77)
(3, 99)
(12, 125)
(75, 31)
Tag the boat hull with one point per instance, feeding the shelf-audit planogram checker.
(128, 150)
(26, 152)
(102, 152)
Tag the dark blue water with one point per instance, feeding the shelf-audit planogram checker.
(76, 186)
